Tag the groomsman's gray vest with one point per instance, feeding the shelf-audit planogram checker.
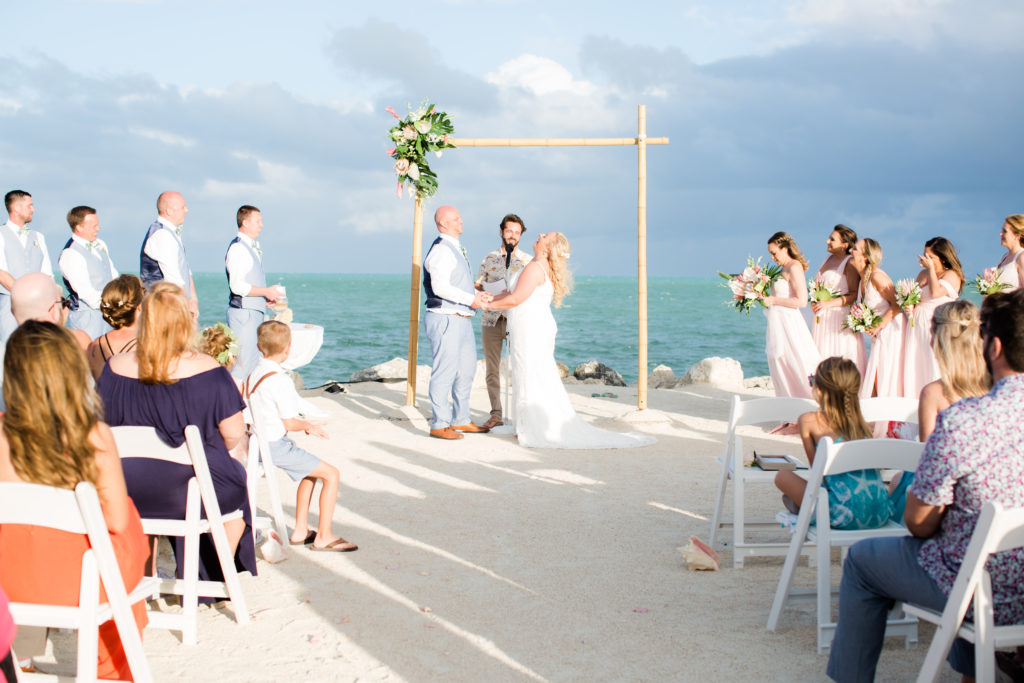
(149, 269)
(254, 277)
(98, 269)
(21, 260)
(462, 278)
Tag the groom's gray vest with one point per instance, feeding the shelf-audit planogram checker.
(98, 270)
(461, 278)
(254, 277)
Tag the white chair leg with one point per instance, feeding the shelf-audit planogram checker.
(984, 623)
(824, 581)
(738, 514)
(88, 633)
(275, 506)
(190, 594)
(723, 480)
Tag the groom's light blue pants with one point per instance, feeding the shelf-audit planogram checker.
(453, 352)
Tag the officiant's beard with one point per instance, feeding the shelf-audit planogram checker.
(510, 247)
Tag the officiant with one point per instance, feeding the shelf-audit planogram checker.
(497, 271)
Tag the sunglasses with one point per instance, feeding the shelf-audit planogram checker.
(64, 303)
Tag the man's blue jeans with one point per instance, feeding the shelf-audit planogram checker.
(877, 572)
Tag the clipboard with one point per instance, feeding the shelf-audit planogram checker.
(774, 463)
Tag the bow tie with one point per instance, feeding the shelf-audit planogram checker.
(256, 246)
(23, 231)
(464, 254)
(92, 245)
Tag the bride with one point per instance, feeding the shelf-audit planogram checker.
(544, 417)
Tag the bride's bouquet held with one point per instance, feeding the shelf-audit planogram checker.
(908, 295)
(751, 286)
(862, 318)
(988, 282)
(819, 290)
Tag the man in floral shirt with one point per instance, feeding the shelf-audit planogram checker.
(973, 457)
(499, 266)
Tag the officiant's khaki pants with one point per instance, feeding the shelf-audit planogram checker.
(491, 337)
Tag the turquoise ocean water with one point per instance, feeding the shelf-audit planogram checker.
(366, 321)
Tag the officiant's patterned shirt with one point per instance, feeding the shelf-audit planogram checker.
(493, 269)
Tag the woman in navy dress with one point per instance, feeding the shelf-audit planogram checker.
(163, 383)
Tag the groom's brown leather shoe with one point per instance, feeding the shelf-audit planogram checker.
(471, 428)
(446, 433)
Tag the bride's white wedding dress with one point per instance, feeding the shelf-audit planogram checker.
(543, 415)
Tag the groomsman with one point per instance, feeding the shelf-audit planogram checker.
(499, 266)
(451, 300)
(22, 251)
(249, 294)
(86, 267)
(163, 254)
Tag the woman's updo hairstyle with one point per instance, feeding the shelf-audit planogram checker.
(120, 299)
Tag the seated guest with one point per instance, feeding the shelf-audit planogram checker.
(971, 458)
(857, 499)
(56, 438)
(119, 305)
(36, 296)
(220, 343)
(164, 383)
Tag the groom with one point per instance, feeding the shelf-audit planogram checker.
(451, 300)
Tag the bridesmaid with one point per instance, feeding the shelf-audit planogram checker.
(941, 280)
(792, 355)
(831, 338)
(884, 373)
(1011, 265)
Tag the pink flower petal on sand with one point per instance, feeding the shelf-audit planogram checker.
(426, 609)
(640, 610)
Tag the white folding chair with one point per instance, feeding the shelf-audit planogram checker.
(143, 442)
(79, 512)
(835, 458)
(997, 530)
(754, 411)
(889, 408)
(260, 465)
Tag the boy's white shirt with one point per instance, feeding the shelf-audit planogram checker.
(275, 398)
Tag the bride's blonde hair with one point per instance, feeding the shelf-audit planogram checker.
(561, 278)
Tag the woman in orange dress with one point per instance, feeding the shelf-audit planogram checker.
(52, 435)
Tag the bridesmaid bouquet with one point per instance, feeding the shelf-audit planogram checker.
(988, 282)
(908, 293)
(818, 290)
(752, 285)
(861, 318)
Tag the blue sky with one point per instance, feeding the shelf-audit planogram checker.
(900, 118)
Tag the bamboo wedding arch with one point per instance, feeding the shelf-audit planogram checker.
(640, 141)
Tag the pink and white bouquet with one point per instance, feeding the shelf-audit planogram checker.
(752, 285)
(908, 294)
(862, 318)
(988, 282)
(819, 290)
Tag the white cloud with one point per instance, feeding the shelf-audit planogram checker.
(538, 75)
(163, 136)
(9, 106)
(275, 178)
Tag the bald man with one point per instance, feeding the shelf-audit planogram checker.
(37, 297)
(163, 253)
(452, 300)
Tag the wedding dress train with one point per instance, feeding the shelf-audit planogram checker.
(543, 415)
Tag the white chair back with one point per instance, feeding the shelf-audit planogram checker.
(79, 512)
(269, 473)
(889, 408)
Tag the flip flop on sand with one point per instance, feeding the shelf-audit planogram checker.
(310, 537)
(338, 545)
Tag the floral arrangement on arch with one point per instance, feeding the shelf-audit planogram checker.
(422, 131)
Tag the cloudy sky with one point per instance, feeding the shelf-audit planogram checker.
(900, 118)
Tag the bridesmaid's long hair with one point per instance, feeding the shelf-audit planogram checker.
(837, 380)
(872, 257)
(51, 406)
(166, 332)
(783, 240)
(946, 252)
(561, 278)
(957, 343)
(847, 235)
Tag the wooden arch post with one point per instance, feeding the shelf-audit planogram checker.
(640, 141)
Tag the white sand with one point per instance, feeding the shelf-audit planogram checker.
(480, 560)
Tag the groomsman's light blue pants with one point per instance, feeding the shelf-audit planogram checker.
(453, 351)
(89, 320)
(244, 322)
